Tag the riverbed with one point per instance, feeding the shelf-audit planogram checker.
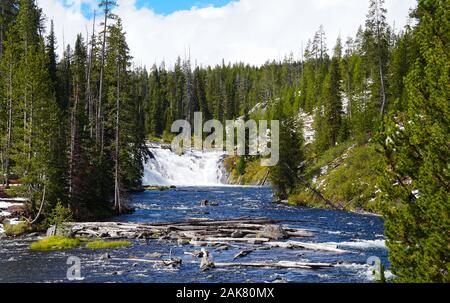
(361, 236)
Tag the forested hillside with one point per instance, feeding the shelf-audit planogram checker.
(72, 129)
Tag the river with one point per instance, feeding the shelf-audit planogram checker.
(360, 235)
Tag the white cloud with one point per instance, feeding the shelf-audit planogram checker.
(252, 31)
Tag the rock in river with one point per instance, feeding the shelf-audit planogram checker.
(274, 232)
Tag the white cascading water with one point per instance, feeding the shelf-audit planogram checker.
(193, 168)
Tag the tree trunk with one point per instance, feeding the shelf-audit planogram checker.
(383, 91)
(73, 134)
(9, 127)
(99, 129)
(380, 61)
(88, 84)
(117, 202)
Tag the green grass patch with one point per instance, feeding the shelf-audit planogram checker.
(55, 243)
(17, 229)
(328, 157)
(254, 173)
(107, 244)
(350, 180)
(159, 188)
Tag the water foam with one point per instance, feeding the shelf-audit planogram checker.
(193, 168)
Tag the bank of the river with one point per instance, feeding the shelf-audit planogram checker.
(345, 176)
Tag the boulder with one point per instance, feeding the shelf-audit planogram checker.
(237, 234)
(51, 231)
(273, 232)
(105, 256)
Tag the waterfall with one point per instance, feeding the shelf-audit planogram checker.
(193, 168)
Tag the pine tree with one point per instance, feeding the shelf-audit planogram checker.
(127, 149)
(376, 43)
(285, 175)
(329, 117)
(78, 147)
(415, 188)
(107, 6)
(8, 12)
(401, 60)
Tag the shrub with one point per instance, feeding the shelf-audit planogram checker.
(241, 166)
(59, 215)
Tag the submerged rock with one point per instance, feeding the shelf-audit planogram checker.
(222, 248)
(203, 253)
(105, 256)
(182, 242)
(206, 264)
(155, 255)
(205, 203)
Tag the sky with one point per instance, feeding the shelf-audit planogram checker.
(250, 31)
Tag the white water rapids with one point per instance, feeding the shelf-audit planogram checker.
(193, 168)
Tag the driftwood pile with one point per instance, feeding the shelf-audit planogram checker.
(254, 233)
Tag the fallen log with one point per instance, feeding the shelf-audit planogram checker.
(308, 246)
(202, 232)
(281, 264)
(172, 262)
(243, 253)
(249, 240)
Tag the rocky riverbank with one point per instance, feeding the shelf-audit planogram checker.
(11, 210)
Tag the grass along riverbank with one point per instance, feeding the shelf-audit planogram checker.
(61, 243)
(345, 175)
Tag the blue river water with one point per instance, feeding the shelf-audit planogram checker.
(361, 236)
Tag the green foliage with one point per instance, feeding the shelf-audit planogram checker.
(254, 173)
(16, 191)
(353, 182)
(415, 194)
(17, 229)
(107, 244)
(329, 115)
(59, 215)
(241, 165)
(346, 176)
(285, 174)
(55, 243)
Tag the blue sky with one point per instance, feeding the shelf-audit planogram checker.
(161, 7)
(165, 7)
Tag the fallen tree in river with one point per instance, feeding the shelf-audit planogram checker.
(260, 232)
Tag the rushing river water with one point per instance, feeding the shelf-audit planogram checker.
(361, 236)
